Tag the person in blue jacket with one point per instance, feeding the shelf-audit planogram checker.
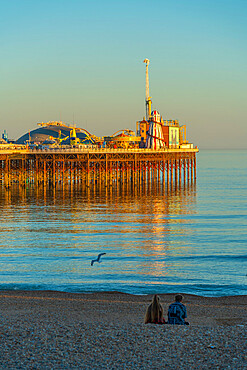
(177, 312)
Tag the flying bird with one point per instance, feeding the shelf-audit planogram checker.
(97, 259)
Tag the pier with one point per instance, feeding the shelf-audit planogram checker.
(105, 166)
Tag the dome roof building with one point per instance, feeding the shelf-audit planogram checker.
(54, 130)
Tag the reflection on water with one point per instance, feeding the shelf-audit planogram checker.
(50, 235)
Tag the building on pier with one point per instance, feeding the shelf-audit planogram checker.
(57, 132)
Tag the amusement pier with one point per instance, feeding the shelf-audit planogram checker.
(59, 153)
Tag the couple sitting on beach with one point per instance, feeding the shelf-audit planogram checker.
(176, 312)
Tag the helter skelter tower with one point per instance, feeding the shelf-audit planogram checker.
(154, 134)
(148, 98)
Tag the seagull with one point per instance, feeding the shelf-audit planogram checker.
(97, 259)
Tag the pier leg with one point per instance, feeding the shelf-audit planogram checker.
(191, 169)
(163, 173)
(180, 174)
(168, 173)
(194, 166)
(53, 172)
(88, 172)
(188, 170)
(171, 172)
(45, 177)
(184, 163)
(176, 172)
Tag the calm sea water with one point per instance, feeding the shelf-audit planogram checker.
(191, 240)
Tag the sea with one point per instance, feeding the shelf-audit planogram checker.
(188, 239)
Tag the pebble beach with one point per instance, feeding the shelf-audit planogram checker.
(55, 330)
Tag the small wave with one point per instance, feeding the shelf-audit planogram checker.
(204, 290)
(215, 257)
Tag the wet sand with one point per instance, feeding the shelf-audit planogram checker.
(45, 329)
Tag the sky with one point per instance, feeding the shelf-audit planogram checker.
(81, 62)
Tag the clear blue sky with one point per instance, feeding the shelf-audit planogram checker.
(82, 61)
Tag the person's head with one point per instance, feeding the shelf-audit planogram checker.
(156, 299)
(178, 298)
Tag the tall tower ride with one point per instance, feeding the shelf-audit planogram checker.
(148, 98)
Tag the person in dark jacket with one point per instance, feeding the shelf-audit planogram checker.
(177, 312)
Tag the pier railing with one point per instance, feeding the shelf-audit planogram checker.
(24, 149)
